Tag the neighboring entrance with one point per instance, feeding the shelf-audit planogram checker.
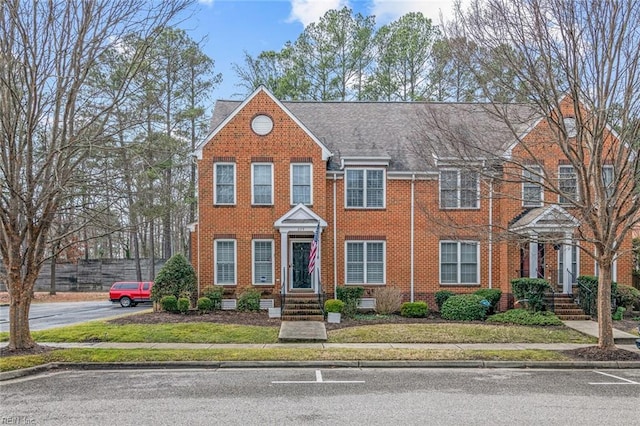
(300, 277)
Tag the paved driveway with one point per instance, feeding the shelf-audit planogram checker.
(51, 315)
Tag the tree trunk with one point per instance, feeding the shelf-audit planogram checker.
(20, 293)
(605, 323)
(52, 289)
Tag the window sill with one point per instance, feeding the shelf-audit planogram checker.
(262, 205)
(365, 284)
(460, 284)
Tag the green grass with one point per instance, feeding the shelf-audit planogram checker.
(99, 331)
(272, 354)
(456, 333)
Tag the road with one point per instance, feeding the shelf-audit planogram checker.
(50, 315)
(329, 396)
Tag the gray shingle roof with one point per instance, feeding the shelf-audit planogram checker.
(407, 132)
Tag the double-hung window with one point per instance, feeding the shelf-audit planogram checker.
(224, 183)
(459, 189)
(263, 262)
(531, 186)
(225, 262)
(459, 262)
(365, 262)
(301, 189)
(365, 188)
(262, 183)
(567, 184)
(607, 179)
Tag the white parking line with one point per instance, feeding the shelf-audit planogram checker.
(624, 381)
(319, 379)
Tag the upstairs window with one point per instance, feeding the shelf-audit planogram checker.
(301, 189)
(567, 184)
(607, 179)
(365, 188)
(224, 183)
(262, 183)
(531, 186)
(459, 189)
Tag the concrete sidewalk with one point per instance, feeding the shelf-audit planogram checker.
(590, 328)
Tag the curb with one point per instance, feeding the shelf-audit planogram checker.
(214, 365)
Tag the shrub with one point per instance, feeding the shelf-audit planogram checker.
(465, 307)
(414, 309)
(628, 297)
(618, 314)
(169, 303)
(205, 304)
(175, 277)
(524, 317)
(442, 296)
(388, 300)
(249, 301)
(492, 295)
(531, 291)
(183, 305)
(214, 293)
(333, 305)
(588, 294)
(351, 297)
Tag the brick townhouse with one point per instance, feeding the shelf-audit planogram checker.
(393, 203)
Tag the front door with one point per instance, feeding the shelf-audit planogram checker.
(300, 277)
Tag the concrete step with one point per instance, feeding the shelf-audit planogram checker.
(582, 317)
(302, 317)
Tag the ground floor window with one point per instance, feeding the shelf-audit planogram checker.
(459, 262)
(365, 262)
(573, 268)
(263, 262)
(225, 261)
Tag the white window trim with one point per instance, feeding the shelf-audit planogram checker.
(560, 196)
(614, 269)
(537, 170)
(610, 187)
(215, 186)
(364, 189)
(253, 262)
(253, 200)
(310, 182)
(458, 189)
(575, 246)
(215, 261)
(364, 272)
(459, 263)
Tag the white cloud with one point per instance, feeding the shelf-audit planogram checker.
(308, 11)
(206, 2)
(390, 10)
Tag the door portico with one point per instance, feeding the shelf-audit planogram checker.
(297, 228)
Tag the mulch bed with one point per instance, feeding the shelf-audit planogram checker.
(594, 353)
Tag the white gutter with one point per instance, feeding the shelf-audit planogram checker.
(490, 233)
(335, 240)
(413, 184)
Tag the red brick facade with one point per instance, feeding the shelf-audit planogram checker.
(410, 226)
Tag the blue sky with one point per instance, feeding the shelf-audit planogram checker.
(230, 27)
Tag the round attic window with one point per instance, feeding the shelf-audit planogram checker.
(262, 125)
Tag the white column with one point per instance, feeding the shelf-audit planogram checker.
(533, 257)
(284, 263)
(566, 263)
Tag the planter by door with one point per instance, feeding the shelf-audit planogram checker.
(333, 317)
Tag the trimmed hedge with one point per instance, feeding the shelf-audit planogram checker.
(205, 304)
(414, 309)
(465, 307)
(492, 295)
(588, 294)
(249, 301)
(628, 297)
(351, 297)
(524, 317)
(530, 291)
(169, 303)
(214, 293)
(442, 296)
(333, 305)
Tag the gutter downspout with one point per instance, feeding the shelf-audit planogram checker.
(413, 180)
(335, 240)
(490, 233)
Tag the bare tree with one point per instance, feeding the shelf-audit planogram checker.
(50, 118)
(579, 63)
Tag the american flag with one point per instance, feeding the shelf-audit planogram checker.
(314, 250)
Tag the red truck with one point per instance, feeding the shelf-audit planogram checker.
(130, 293)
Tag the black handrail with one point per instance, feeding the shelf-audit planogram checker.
(586, 299)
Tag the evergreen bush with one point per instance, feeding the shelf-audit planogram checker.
(333, 305)
(169, 303)
(249, 301)
(414, 309)
(205, 305)
(176, 277)
(183, 305)
(214, 293)
(442, 296)
(465, 307)
(492, 295)
(530, 292)
(351, 297)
